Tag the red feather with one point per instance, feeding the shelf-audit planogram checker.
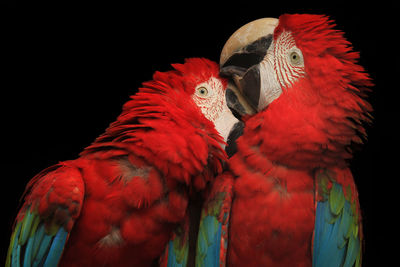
(137, 176)
(307, 130)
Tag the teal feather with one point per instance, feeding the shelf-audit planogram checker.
(34, 232)
(16, 256)
(56, 248)
(32, 244)
(30, 228)
(336, 240)
(171, 255)
(28, 253)
(319, 228)
(208, 243)
(43, 248)
(213, 236)
(178, 247)
(173, 258)
(14, 260)
(38, 237)
(330, 254)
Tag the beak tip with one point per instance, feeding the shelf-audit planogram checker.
(235, 133)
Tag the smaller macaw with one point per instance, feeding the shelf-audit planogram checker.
(120, 201)
(293, 198)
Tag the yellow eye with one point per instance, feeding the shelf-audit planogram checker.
(202, 91)
(295, 58)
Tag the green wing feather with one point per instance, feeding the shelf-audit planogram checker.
(213, 230)
(178, 247)
(337, 234)
(38, 238)
(32, 245)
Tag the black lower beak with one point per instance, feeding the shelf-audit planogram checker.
(248, 84)
(235, 133)
(234, 104)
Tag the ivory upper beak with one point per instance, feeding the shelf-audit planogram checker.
(246, 35)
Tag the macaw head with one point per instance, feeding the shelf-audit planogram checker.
(196, 93)
(198, 79)
(300, 78)
(181, 116)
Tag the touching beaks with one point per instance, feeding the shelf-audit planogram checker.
(236, 101)
(240, 62)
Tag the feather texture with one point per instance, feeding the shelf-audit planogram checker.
(295, 202)
(177, 250)
(212, 240)
(337, 236)
(43, 225)
(120, 201)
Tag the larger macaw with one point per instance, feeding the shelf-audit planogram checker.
(293, 198)
(120, 201)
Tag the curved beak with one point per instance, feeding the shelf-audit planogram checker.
(240, 62)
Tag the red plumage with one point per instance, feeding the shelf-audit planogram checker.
(308, 129)
(127, 191)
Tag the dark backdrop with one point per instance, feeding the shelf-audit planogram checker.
(67, 70)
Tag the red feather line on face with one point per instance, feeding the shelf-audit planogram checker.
(314, 122)
(163, 124)
(287, 74)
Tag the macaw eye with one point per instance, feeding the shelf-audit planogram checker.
(295, 58)
(202, 91)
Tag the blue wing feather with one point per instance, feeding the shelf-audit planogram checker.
(172, 257)
(333, 247)
(40, 237)
(32, 246)
(56, 249)
(16, 256)
(28, 252)
(177, 249)
(209, 242)
(42, 250)
(213, 229)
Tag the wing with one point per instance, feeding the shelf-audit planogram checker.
(213, 230)
(338, 229)
(177, 250)
(53, 200)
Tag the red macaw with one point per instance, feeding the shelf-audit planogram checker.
(119, 202)
(294, 200)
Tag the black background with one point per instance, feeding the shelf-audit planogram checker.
(67, 70)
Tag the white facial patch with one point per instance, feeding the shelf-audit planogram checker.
(270, 87)
(289, 62)
(210, 97)
(281, 67)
